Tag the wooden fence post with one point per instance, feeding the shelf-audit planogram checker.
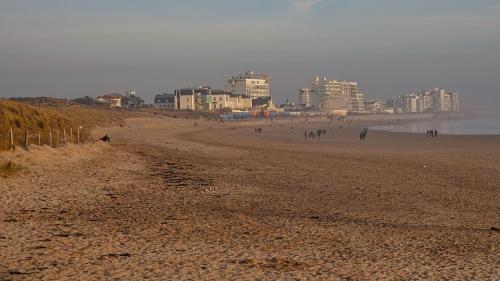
(50, 137)
(64, 135)
(26, 140)
(71, 135)
(57, 137)
(12, 146)
(78, 135)
(39, 138)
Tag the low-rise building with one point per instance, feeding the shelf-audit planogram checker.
(132, 101)
(375, 106)
(193, 98)
(113, 100)
(262, 103)
(239, 102)
(165, 101)
(206, 99)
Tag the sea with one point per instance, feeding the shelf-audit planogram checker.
(466, 126)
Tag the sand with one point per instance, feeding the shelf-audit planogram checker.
(170, 201)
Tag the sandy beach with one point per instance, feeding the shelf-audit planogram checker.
(167, 200)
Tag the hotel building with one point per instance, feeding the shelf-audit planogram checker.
(337, 97)
(254, 85)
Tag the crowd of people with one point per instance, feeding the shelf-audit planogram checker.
(432, 133)
(314, 135)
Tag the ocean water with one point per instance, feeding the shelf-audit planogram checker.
(472, 126)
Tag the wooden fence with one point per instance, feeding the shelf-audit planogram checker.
(51, 137)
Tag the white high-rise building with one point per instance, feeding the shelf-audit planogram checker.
(356, 100)
(254, 85)
(436, 100)
(305, 97)
(336, 96)
(327, 96)
(455, 103)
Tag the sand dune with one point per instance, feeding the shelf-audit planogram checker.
(168, 200)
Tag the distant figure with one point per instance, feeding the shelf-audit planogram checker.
(435, 133)
(195, 124)
(106, 138)
(305, 135)
(362, 135)
(432, 133)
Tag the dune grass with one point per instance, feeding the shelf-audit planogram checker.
(38, 119)
(21, 117)
(9, 169)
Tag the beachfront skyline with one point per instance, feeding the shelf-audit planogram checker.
(55, 48)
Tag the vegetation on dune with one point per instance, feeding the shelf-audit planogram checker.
(8, 169)
(21, 117)
(41, 119)
(92, 117)
(42, 115)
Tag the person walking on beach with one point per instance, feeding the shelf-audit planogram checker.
(432, 133)
(362, 135)
(435, 133)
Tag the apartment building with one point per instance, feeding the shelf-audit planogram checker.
(254, 85)
(338, 97)
(435, 100)
(305, 97)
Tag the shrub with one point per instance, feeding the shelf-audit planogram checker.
(8, 169)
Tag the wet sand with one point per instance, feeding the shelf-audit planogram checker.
(167, 200)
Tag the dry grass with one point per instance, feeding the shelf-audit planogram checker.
(8, 169)
(22, 116)
(34, 117)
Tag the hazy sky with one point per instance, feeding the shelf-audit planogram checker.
(70, 48)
